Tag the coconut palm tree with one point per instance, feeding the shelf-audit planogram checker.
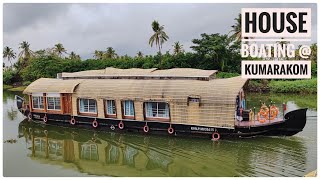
(140, 54)
(58, 49)
(111, 53)
(177, 48)
(159, 36)
(74, 56)
(236, 29)
(98, 54)
(9, 54)
(25, 52)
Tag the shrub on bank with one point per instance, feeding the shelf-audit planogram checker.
(8, 76)
(295, 86)
(226, 75)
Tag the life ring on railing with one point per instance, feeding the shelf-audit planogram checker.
(121, 125)
(45, 119)
(29, 116)
(263, 120)
(72, 121)
(215, 136)
(95, 123)
(145, 128)
(274, 111)
(170, 130)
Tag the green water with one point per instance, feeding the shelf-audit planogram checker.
(74, 152)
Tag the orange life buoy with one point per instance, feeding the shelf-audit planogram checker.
(72, 121)
(95, 123)
(215, 136)
(274, 111)
(263, 120)
(146, 128)
(121, 125)
(170, 130)
(45, 119)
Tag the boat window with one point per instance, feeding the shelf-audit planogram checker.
(196, 100)
(87, 106)
(53, 103)
(111, 107)
(37, 102)
(128, 108)
(157, 109)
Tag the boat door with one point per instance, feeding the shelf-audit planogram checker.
(67, 103)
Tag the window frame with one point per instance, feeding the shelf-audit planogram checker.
(54, 103)
(88, 113)
(39, 97)
(106, 108)
(156, 117)
(124, 110)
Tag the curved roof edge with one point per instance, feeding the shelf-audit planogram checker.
(47, 85)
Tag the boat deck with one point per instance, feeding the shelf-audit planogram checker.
(257, 123)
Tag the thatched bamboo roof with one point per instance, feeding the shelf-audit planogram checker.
(135, 73)
(47, 85)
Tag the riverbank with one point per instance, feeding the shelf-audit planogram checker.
(14, 89)
(307, 86)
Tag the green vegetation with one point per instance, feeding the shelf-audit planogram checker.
(18, 89)
(307, 100)
(295, 86)
(211, 51)
(5, 87)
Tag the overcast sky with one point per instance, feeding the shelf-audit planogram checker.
(84, 28)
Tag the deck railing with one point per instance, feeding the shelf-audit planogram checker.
(265, 113)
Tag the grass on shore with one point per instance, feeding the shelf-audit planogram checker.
(308, 86)
(16, 89)
(6, 87)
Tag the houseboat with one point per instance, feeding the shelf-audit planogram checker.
(176, 102)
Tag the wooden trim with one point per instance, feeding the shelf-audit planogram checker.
(54, 111)
(158, 119)
(61, 103)
(30, 103)
(105, 108)
(38, 110)
(45, 102)
(88, 114)
(128, 117)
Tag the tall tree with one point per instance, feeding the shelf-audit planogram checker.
(111, 53)
(177, 48)
(9, 54)
(159, 36)
(140, 54)
(98, 54)
(218, 52)
(25, 52)
(74, 56)
(58, 49)
(236, 29)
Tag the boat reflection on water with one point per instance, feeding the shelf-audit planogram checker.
(114, 154)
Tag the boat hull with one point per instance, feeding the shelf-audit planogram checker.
(294, 123)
